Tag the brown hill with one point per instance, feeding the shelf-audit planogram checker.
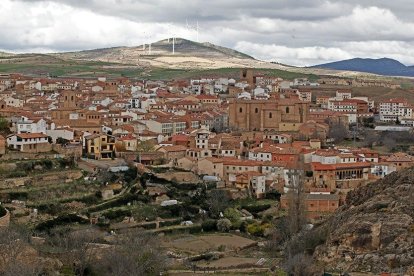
(374, 230)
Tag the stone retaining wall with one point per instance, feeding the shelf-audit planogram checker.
(5, 220)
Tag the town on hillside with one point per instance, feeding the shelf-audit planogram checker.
(204, 154)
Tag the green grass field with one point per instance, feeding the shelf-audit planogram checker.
(166, 74)
(45, 65)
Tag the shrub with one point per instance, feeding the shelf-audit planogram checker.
(148, 226)
(257, 229)
(232, 214)
(18, 195)
(131, 174)
(25, 166)
(116, 214)
(273, 195)
(223, 225)
(50, 208)
(256, 208)
(194, 229)
(46, 226)
(3, 211)
(17, 174)
(170, 222)
(209, 225)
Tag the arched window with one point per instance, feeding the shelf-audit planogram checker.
(240, 110)
(256, 110)
(287, 109)
(270, 115)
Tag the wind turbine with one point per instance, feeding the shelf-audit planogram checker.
(172, 37)
(149, 45)
(195, 28)
(148, 38)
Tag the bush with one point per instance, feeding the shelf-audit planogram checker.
(117, 214)
(46, 226)
(223, 225)
(194, 229)
(170, 222)
(18, 196)
(232, 214)
(209, 225)
(25, 166)
(257, 229)
(17, 174)
(3, 211)
(148, 226)
(273, 195)
(50, 208)
(256, 208)
(131, 174)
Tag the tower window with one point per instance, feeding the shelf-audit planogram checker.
(240, 110)
(256, 110)
(287, 109)
(270, 115)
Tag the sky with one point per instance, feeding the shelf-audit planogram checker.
(294, 32)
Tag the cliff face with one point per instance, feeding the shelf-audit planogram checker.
(374, 230)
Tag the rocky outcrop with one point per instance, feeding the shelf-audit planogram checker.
(374, 230)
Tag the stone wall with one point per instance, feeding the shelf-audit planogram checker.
(17, 155)
(41, 179)
(5, 220)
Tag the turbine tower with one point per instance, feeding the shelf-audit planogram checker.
(195, 28)
(149, 38)
(171, 33)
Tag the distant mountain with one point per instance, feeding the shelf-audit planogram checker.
(382, 66)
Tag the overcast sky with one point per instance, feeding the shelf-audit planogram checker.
(296, 32)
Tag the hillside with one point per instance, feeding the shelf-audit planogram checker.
(382, 66)
(374, 230)
(189, 59)
(182, 47)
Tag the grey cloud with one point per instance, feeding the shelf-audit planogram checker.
(304, 31)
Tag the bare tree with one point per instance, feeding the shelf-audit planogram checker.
(76, 247)
(217, 201)
(338, 132)
(296, 211)
(16, 254)
(301, 264)
(133, 253)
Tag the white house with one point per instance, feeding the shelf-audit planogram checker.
(29, 142)
(60, 133)
(26, 125)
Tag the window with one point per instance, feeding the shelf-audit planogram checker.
(270, 115)
(256, 110)
(240, 110)
(287, 109)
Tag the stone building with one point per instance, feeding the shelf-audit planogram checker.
(267, 115)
